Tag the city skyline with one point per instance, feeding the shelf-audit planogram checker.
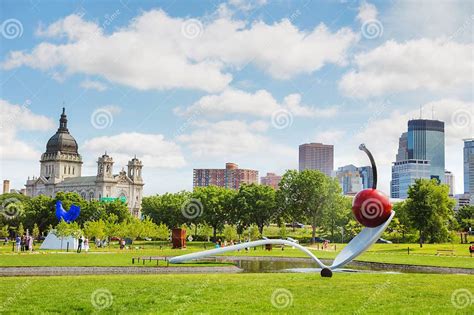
(216, 100)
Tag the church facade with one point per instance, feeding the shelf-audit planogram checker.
(61, 170)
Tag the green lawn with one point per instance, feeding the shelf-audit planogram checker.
(239, 293)
(389, 253)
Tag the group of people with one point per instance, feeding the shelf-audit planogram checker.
(24, 243)
(83, 243)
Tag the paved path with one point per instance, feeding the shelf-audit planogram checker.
(63, 271)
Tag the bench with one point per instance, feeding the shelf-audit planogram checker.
(445, 251)
(150, 259)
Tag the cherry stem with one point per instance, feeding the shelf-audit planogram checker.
(372, 161)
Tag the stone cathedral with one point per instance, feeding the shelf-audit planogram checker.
(61, 166)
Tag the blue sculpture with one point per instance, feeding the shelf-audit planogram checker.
(67, 216)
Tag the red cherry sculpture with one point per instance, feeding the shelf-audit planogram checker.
(370, 206)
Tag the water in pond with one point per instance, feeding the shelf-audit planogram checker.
(256, 266)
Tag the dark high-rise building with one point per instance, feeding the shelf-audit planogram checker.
(469, 167)
(425, 141)
(402, 154)
(367, 176)
(316, 156)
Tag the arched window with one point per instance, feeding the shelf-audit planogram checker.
(69, 170)
(91, 196)
(64, 169)
(83, 195)
(73, 170)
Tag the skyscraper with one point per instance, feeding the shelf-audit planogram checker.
(316, 156)
(402, 154)
(449, 180)
(404, 174)
(425, 141)
(469, 167)
(366, 173)
(350, 179)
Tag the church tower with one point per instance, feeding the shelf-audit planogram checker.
(135, 170)
(61, 159)
(136, 192)
(105, 166)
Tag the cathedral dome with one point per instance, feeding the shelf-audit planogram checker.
(62, 141)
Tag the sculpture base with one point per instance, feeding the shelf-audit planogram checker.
(326, 273)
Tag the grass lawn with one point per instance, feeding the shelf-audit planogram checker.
(238, 293)
(389, 253)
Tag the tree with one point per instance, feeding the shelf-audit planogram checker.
(62, 230)
(205, 230)
(167, 208)
(4, 231)
(288, 197)
(306, 195)
(256, 205)
(216, 203)
(149, 229)
(162, 232)
(36, 232)
(230, 233)
(40, 210)
(465, 217)
(253, 232)
(282, 231)
(21, 229)
(95, 229)
(117, 208)
(337, 211)
(430, 209)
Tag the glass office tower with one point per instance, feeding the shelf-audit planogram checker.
(469, 166)
(426, 142)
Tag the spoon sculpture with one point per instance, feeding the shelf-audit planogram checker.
(370, 207)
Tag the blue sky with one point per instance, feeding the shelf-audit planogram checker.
(196, 84)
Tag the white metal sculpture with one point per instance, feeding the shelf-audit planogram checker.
(371, 208)
(356, 246)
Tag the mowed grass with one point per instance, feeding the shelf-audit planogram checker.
(112, 256)
(238, 293)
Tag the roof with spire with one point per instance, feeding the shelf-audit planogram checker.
(62, 141)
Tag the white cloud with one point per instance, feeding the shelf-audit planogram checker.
(152, 149)
(14, 118)
(260, 103)
(329, 136)
(231, 139)
(425, 64)
(367, 12)
(416, 19)
(94, 85)
(155, 52)
(247, 5)
(112, 109)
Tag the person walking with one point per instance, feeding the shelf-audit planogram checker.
(30, 243)
(86, 244)
(23, 243)
(18, 243)
(79, 247)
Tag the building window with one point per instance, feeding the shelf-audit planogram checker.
(64, 169)
(73, 170)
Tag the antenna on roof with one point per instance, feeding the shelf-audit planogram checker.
(421, 112)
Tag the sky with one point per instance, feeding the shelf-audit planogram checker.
(196, 84)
